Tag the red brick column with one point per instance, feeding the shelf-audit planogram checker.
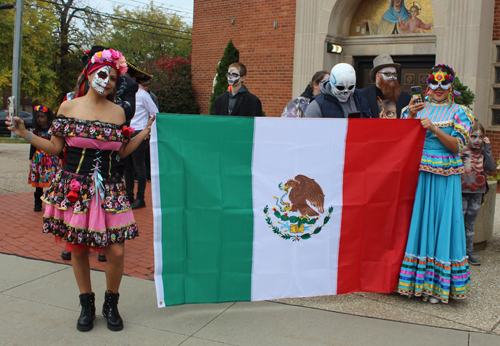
(496, 21)
(494, 135)
(266, 52)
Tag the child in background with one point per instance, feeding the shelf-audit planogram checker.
(43, 166)
(477, 159)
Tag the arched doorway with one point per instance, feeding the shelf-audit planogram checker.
(406, 32)
(334, 20)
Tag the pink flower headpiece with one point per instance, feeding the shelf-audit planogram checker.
(108, 57)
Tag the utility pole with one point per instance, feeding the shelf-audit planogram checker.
(16, 57)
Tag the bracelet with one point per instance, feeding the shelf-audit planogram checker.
(29, 138)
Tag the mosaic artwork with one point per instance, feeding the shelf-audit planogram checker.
(392, 17)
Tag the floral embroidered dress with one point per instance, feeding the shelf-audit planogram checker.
(86, 203)
(435, 262)
(43, 166)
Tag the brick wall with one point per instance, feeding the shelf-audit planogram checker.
(266, 52)
(496, 21)
(495, 135)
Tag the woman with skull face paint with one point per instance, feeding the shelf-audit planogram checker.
(86, 204)
(477, 160)
(435, 264)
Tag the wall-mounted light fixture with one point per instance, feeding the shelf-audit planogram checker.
(275, 25)
(232, 21)
(333, 48)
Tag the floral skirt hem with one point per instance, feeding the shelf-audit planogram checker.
(35, 184)
(428, 277)
(89, 237)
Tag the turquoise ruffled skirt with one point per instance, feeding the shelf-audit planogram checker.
(435, 262)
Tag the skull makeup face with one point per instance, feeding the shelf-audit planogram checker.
(234, 76)
(476, 139)
(299, 103)
(343, 81)
(389, 73)
(101, 79)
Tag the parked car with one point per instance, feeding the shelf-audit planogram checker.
(25, 116)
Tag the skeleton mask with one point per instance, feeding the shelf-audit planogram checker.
(233, 76)
(101, 79)
(343, 81)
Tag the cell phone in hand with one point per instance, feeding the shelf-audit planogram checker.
(11, 101)
(416, 93)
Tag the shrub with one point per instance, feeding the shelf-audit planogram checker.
(171, 83)
(231, 55)
(467, 96)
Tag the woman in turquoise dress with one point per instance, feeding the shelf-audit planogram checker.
(435, 264)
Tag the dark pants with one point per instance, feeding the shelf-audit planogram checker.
(136, 162)
(471, 203)
(38, 194)
(148, 164)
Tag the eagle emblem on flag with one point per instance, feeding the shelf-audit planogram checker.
(296, 218)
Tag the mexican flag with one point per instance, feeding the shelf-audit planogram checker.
(266, 208)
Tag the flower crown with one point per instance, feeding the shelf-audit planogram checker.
(40, 108)
(111, 56)
(440, 76)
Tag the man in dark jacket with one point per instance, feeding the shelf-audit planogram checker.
(339, 97)
(237, 100)
(385, 97)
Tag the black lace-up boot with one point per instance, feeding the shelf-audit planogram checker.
(87, 316)
(110, 311)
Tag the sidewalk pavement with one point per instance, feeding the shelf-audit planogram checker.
(39, 296)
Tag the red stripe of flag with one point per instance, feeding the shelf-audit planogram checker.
(380, 178)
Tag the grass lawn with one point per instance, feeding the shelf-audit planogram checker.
(7, 139)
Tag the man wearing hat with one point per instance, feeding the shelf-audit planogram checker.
(145, 86)
(386, 98)
(136, 162)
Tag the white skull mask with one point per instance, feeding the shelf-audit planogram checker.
(343, 81)
(101, 79)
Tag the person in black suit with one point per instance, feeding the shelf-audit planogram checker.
(237, 100)
(385, 97)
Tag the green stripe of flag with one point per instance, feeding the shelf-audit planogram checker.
(206, 196)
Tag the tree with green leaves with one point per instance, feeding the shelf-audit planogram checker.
(171, 83)
(149, 33)
(467, 96)
(231, 55)
(38, 78)
(71, 39)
